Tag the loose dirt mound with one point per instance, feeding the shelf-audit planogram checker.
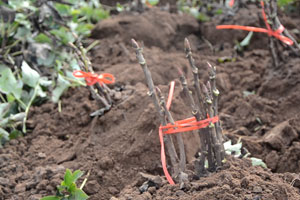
(258, 103)
(239, 180)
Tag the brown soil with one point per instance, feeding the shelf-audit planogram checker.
(116, 147)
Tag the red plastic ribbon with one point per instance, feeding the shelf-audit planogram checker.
(91, 78)
(268, 30)
(185, 125)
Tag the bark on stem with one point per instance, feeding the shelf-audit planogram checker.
(201, 105)
(215, 141)
(200, 166)
(215, 95)
(179, 139)
(152, 94)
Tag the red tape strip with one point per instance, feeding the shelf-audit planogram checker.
(269, 31)
(92, 78)
(184, 125)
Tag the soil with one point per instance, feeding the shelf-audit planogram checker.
(258, 103)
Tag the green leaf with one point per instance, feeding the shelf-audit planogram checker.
(80, 195)
(50, 198)
(29, 76)
(258, 162)
(25, 4)
(45, 82)
(15, 134)
(63, 34)
(8, 82)
(236, 148)
(93, 14)
(247, 39)
(84, 28)
(72, 188)
(40, 92)
(4, 108)
(76, 175)
(23, 33)
(48, 61)
(283, 3)
(22, 19)
(4, 134)
(61, 187)
(68, 179)
(61, 86)
(64, 10)
(153, 2)
(17, 117)
(119, 7)
(42, 38)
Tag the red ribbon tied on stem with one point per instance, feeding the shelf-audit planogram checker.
(268, 30)
(91, 78)
(185, 125)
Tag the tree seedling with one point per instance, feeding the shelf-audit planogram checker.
(211, 140)
(205, 121)
(68, 190)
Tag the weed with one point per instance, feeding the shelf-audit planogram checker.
(68, 190)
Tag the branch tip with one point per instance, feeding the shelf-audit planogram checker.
(134, 44)
(209, 65)
(187, 45)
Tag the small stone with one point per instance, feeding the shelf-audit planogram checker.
(117, 96)
(4, 159)
(4, 181)
(21, 187)
(91, 187)
(113, 190)
(155, 179)
(146, 196)
(100, 174)
(42, 185)
(257, 189)
(30, 185)
(106, 163)
(14, 142)
(226, 187)
(244, 182)
(179, 193)
(49, 188)
(152, 190)
(42, 155)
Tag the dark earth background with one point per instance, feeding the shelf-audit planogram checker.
(116, 147)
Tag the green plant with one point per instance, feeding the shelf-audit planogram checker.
(236, 151)
(68, 190)
(36, 60)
